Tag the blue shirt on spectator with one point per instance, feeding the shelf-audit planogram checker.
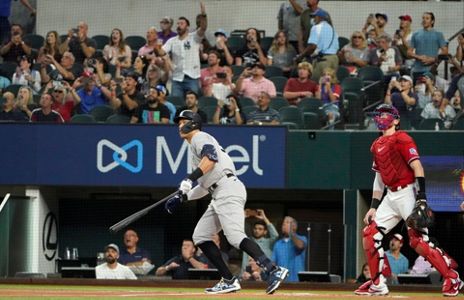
(398, 102)
(96, 98)
(139, 255)
(324, 37)
(398, 266)
(426, 42)
(172, 111)
(285, 254)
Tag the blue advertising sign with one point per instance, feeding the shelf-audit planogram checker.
(129, 155)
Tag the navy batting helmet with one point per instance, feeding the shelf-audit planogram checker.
(193, 123)
(389, 113)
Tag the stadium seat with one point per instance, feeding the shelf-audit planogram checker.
(83, 119)
(176, 100)
(13, 88)
(245, 101)
(237, 70)
(205, 101)
(235, 43)
(118, 119)
(273, 71)
(310, 104)
(266, 43)
(135, 42)
(459, 124)
(290, 115)
(101, 113)
(430, 124)
(342, 73)
(7, 69)
(311, 120)
(353, 108)
(36, 41)
(371, 73)
(209, 111)
(101, 41)
(342, 41)
(248, 109)
(279, 82)
(278, 102)
(352, 84)
(134, 55)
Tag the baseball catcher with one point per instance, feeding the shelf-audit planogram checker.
(398, 170)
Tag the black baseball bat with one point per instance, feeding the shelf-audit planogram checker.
(135, 216)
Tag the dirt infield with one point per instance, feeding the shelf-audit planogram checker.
(111, 292)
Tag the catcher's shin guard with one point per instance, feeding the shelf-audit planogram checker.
(375, 255)
(441, 261)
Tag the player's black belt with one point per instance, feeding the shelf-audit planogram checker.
(215, 185)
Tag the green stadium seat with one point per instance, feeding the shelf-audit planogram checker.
(430, 124)
(13, 88)
(209, 111)
(245, 101)
(459, 124)
(83, 119)
(135, 42)
(266, 43)
(248, 109)
(205, 101)
(278, 102)
(291, 114)
(101, 41)
(7, 69)
(237, 70)
(342, 41)
(273, 71)
(36, 41)
(311, 120)
(342, 73)
(235, 43)
(279, 82)
(101, 113)
(118, 119)
(176, 100)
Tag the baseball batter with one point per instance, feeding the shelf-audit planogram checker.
(398, 168)
(215, 174)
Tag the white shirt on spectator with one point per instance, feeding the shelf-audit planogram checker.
(185, 55)
(34, 84)
(390, 60)
(120, 272)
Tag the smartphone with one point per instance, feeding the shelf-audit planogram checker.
(393, 78)
(122, 59)
(221, 75)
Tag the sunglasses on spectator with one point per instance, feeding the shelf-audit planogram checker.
(58, 91)
(357, 37)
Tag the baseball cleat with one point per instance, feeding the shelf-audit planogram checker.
(275, 279)
(224, 286)
(451, 287)
(363, 289)
(378, 290)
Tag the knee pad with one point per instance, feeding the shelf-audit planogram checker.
(375, 255)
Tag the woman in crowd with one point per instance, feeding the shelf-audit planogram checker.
(25, 101)
(281, 53)
(117, 50)
(51, 47)
(229, 112)
(355, 54)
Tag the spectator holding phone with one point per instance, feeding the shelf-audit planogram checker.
(51, 46)
(16, 47)
(229, 112)
(209, 75)
(264, 233)
(78, 43)
(330, 91)
(401, 95)
(386, 57)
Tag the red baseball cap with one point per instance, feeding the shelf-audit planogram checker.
(405, 18)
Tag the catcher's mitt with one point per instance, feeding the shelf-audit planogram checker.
(421, 216)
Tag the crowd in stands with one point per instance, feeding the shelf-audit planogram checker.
(304, 66)
(289, 251)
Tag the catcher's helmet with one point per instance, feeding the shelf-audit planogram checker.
(384, 115)
(193, 123)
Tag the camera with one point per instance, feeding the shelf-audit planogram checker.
(397, 32)
(91, 62)
(122, 59)
(55, 74)
(221, 75)
(74, 32)
(444, 57)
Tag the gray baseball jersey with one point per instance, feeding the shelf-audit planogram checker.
(226, 210)
(223, 166)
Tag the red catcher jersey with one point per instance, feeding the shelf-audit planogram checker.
(392, 155)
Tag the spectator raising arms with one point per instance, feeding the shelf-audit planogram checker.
(117, 50)
(78, 43)
(251, 53)
(229, 112)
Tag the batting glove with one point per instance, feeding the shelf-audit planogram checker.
(175, 201)
(185, 186)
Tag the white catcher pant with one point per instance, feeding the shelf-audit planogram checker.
(394, 207)
(226, 212)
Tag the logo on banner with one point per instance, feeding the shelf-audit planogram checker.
(120, 156)
(50, 236)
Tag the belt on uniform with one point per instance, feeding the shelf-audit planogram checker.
(215, 185)
(397, 188)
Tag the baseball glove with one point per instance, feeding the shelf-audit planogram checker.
(421, 216)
